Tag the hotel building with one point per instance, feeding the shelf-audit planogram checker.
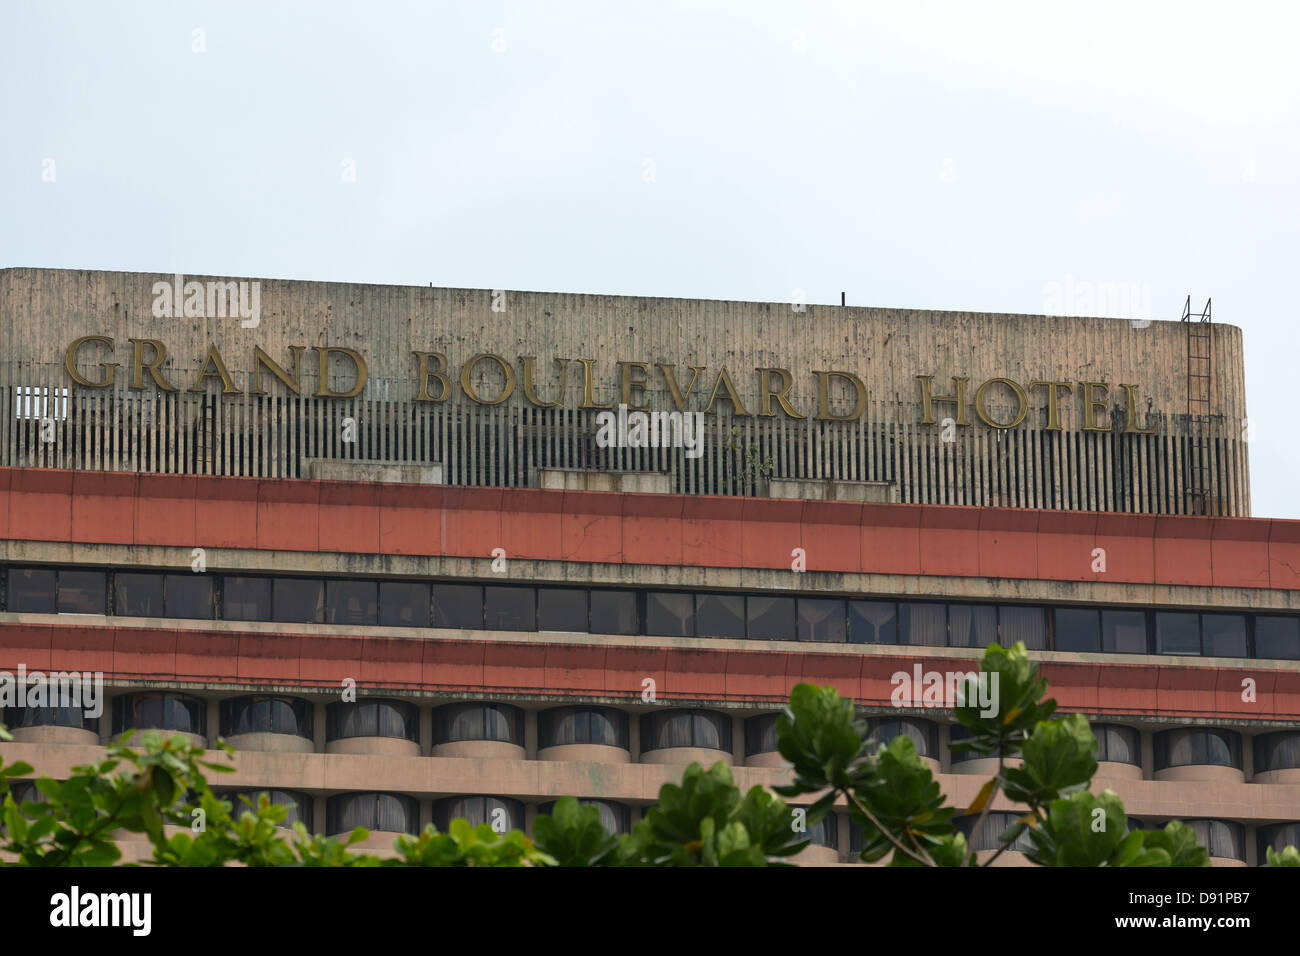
(246, 506)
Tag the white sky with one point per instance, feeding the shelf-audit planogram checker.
(926, 155)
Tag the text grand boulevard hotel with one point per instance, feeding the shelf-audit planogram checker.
(236, 506)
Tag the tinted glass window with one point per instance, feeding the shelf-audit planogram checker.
(822, 619)
(1224, 635)
(15, 717)
(1077, 629)
(498, 812)
(1277, 637)
(973, 625)
(923, 734)
(387, 812)
(770, 618)
(1277, 837)
(990, 832)
(561, 609)
(1220, 837)
(685, 728)
(510, 608)
(83, 592)
(403, 604)
(1184, 748)
(1280, 751)
(138, 595)
(174, 712)
(189, 595)
(457, 605)
(1124, 632)
(922, 624)
(1118, 744)
(1178, 633)
(299, 806)
(266, 715)
(33, 590)
(719, 615)
(246, 599)
(478, 721)
(352, 602)
(614, 612)
(1019, 623)
(760, 734)
(825, 832)
(614, 817)
(298, 600)
(372, 718)
(582, 725)
(873, 622)
(669, 614)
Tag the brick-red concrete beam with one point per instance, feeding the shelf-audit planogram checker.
(616, 528)
(762, 674)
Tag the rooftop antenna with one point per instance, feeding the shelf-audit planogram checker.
(841, 298)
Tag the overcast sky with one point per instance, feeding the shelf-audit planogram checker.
(969, 156)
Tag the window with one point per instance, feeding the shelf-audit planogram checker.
(614, 817)
(372, 718)
(138, 595)
(825, 832)
(352, 602)
(1117, 744)
(299, 805)
(822, 619)
(189, 595)
(1197, 747)
(1026, 624)
(561, 609)
(685, 728)
(995, 824)
(172, 712)
(1077, 629)
(40, 401)
(958, 734)
(1277, 838)
(1279, 751)
(83, 592)
(478, 721)
(457, 605)
(510, 608)
(770, 618)
(1222, 838)
(582, 725)
(1124, 632)
(873, 622)
(385, 812)
(669, 614)
(298, 600)
(719, 615)
(1277, 637)
(403, 604)
(33, 590)
(922, 623)
(760, 734)
(614, 612)
(18, 717)
(246, 599)
(266, 715)
(973, 625)
(923, 733)
(1178, 633)
(498, 812)
(1224, 635)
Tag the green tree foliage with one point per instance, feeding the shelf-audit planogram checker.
(889, 790)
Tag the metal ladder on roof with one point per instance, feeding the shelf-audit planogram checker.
(1197, 479)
